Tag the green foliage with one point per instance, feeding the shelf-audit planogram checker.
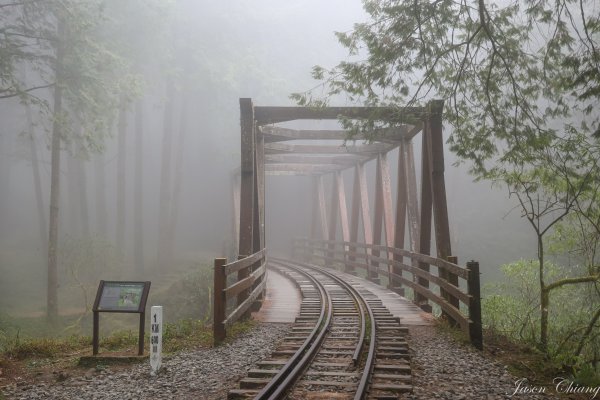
(83, 263)
(510, 309)
(511, 75)
(190, 296)
(119, 340)
(186, 334)
(66, 44)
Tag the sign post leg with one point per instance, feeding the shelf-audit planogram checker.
(96, 333)
(141, 336)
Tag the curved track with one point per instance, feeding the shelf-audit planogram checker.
(344, 345)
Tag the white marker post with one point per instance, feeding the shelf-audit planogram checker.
(155, 339)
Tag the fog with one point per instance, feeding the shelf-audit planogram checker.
(263, 50)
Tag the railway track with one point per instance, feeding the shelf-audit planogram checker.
(344, 345)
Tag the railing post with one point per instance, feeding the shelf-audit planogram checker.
(219, 300)
(473, 287)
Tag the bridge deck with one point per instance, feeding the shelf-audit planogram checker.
(282, 301)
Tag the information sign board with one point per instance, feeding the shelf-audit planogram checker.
(120, 297)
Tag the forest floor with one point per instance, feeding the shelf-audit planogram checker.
(44, 360)
(52, 361)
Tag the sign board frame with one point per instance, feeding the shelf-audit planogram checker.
(121, 297)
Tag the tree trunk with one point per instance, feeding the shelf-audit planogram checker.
(174, 216)
(165, 180)
(544, 299)
(37, 182)
(100, 194)
(71, 214)
(120, 223)
(52, 291)
(84, 214)
(6, 148)
(138, 198)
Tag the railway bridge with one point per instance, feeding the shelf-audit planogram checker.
(362, 275)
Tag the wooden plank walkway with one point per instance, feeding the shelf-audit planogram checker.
(282, 301)
(399, 306)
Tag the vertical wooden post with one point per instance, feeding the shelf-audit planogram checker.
(438, 185)
(425, 220)
(474, 290)
(249, 191)
(246, 177)
(235, 183)
(141, 334)
(219, 300)
(438, 190)
(259, 212)
(258, 234)
(96, 333)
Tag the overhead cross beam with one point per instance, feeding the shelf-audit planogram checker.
(392, 134)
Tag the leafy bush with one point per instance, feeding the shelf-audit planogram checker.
(511, 309)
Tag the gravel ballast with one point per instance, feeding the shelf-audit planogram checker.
(199, 374)
(441, 368)
(445, 369)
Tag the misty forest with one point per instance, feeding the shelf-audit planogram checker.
(120, 144)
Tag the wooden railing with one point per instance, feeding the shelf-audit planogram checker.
(233, 300)
(415, 274)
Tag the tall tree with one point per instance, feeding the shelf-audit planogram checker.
(164, 211)
(178, 175)
(52, 295)
(62, 42)
(121, 172)
(100, 194)
(37, 181)
(138, 198)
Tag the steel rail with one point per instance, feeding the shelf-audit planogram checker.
(290, 372)
(370, 362)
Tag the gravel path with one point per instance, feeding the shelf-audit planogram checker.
(201, 374)
(445, 369)
(442, 369)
